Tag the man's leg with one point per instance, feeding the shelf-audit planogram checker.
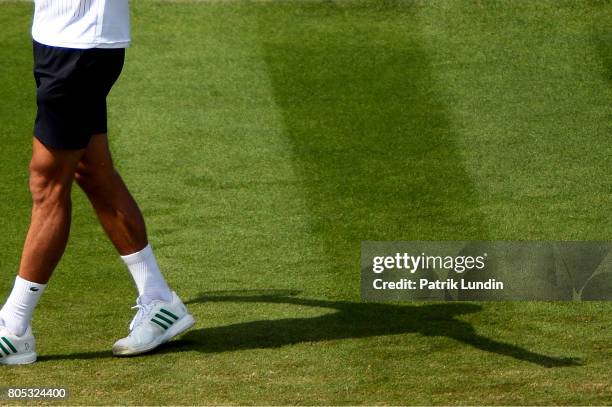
(51, 176)
(161, 314)
(115, 207)
(121, 218)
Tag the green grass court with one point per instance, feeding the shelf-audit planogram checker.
(264, 140)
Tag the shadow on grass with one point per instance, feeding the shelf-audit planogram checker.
(351, 320)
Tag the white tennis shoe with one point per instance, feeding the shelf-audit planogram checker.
(155, 323)
(17, 350)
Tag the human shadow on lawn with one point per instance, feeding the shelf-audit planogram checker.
(350, 320)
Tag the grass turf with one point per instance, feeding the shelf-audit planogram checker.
(265, 140)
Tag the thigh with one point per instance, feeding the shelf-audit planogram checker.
(101, 68)
(72, 86)
(53, 166)
(61, 114)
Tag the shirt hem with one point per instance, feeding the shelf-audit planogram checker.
(83, 45)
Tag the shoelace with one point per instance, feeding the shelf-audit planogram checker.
(143, 310)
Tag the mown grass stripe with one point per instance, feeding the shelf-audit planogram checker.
(159, 323)
(170, 314)
(9, 344)
(163, 318)
(4, 349)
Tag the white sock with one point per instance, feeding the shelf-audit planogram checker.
(18, 309)
(149, 280)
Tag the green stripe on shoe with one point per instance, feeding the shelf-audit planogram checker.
(170, 314)
(9, 344)
(4, 349)
(159, 323)
(163, 318)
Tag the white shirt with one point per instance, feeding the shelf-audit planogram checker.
(82, 23)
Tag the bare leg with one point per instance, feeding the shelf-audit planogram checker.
(51, 176)
(114, 205)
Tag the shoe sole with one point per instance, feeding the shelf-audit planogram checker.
(180, 326)
(21, 359)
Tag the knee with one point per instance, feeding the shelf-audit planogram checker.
(47, 186)
(83, 178)
(91, 179)
(86, 179)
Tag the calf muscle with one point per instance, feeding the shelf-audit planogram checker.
(115, 207)
(51, 176)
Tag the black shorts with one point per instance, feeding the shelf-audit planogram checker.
(72, 85)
